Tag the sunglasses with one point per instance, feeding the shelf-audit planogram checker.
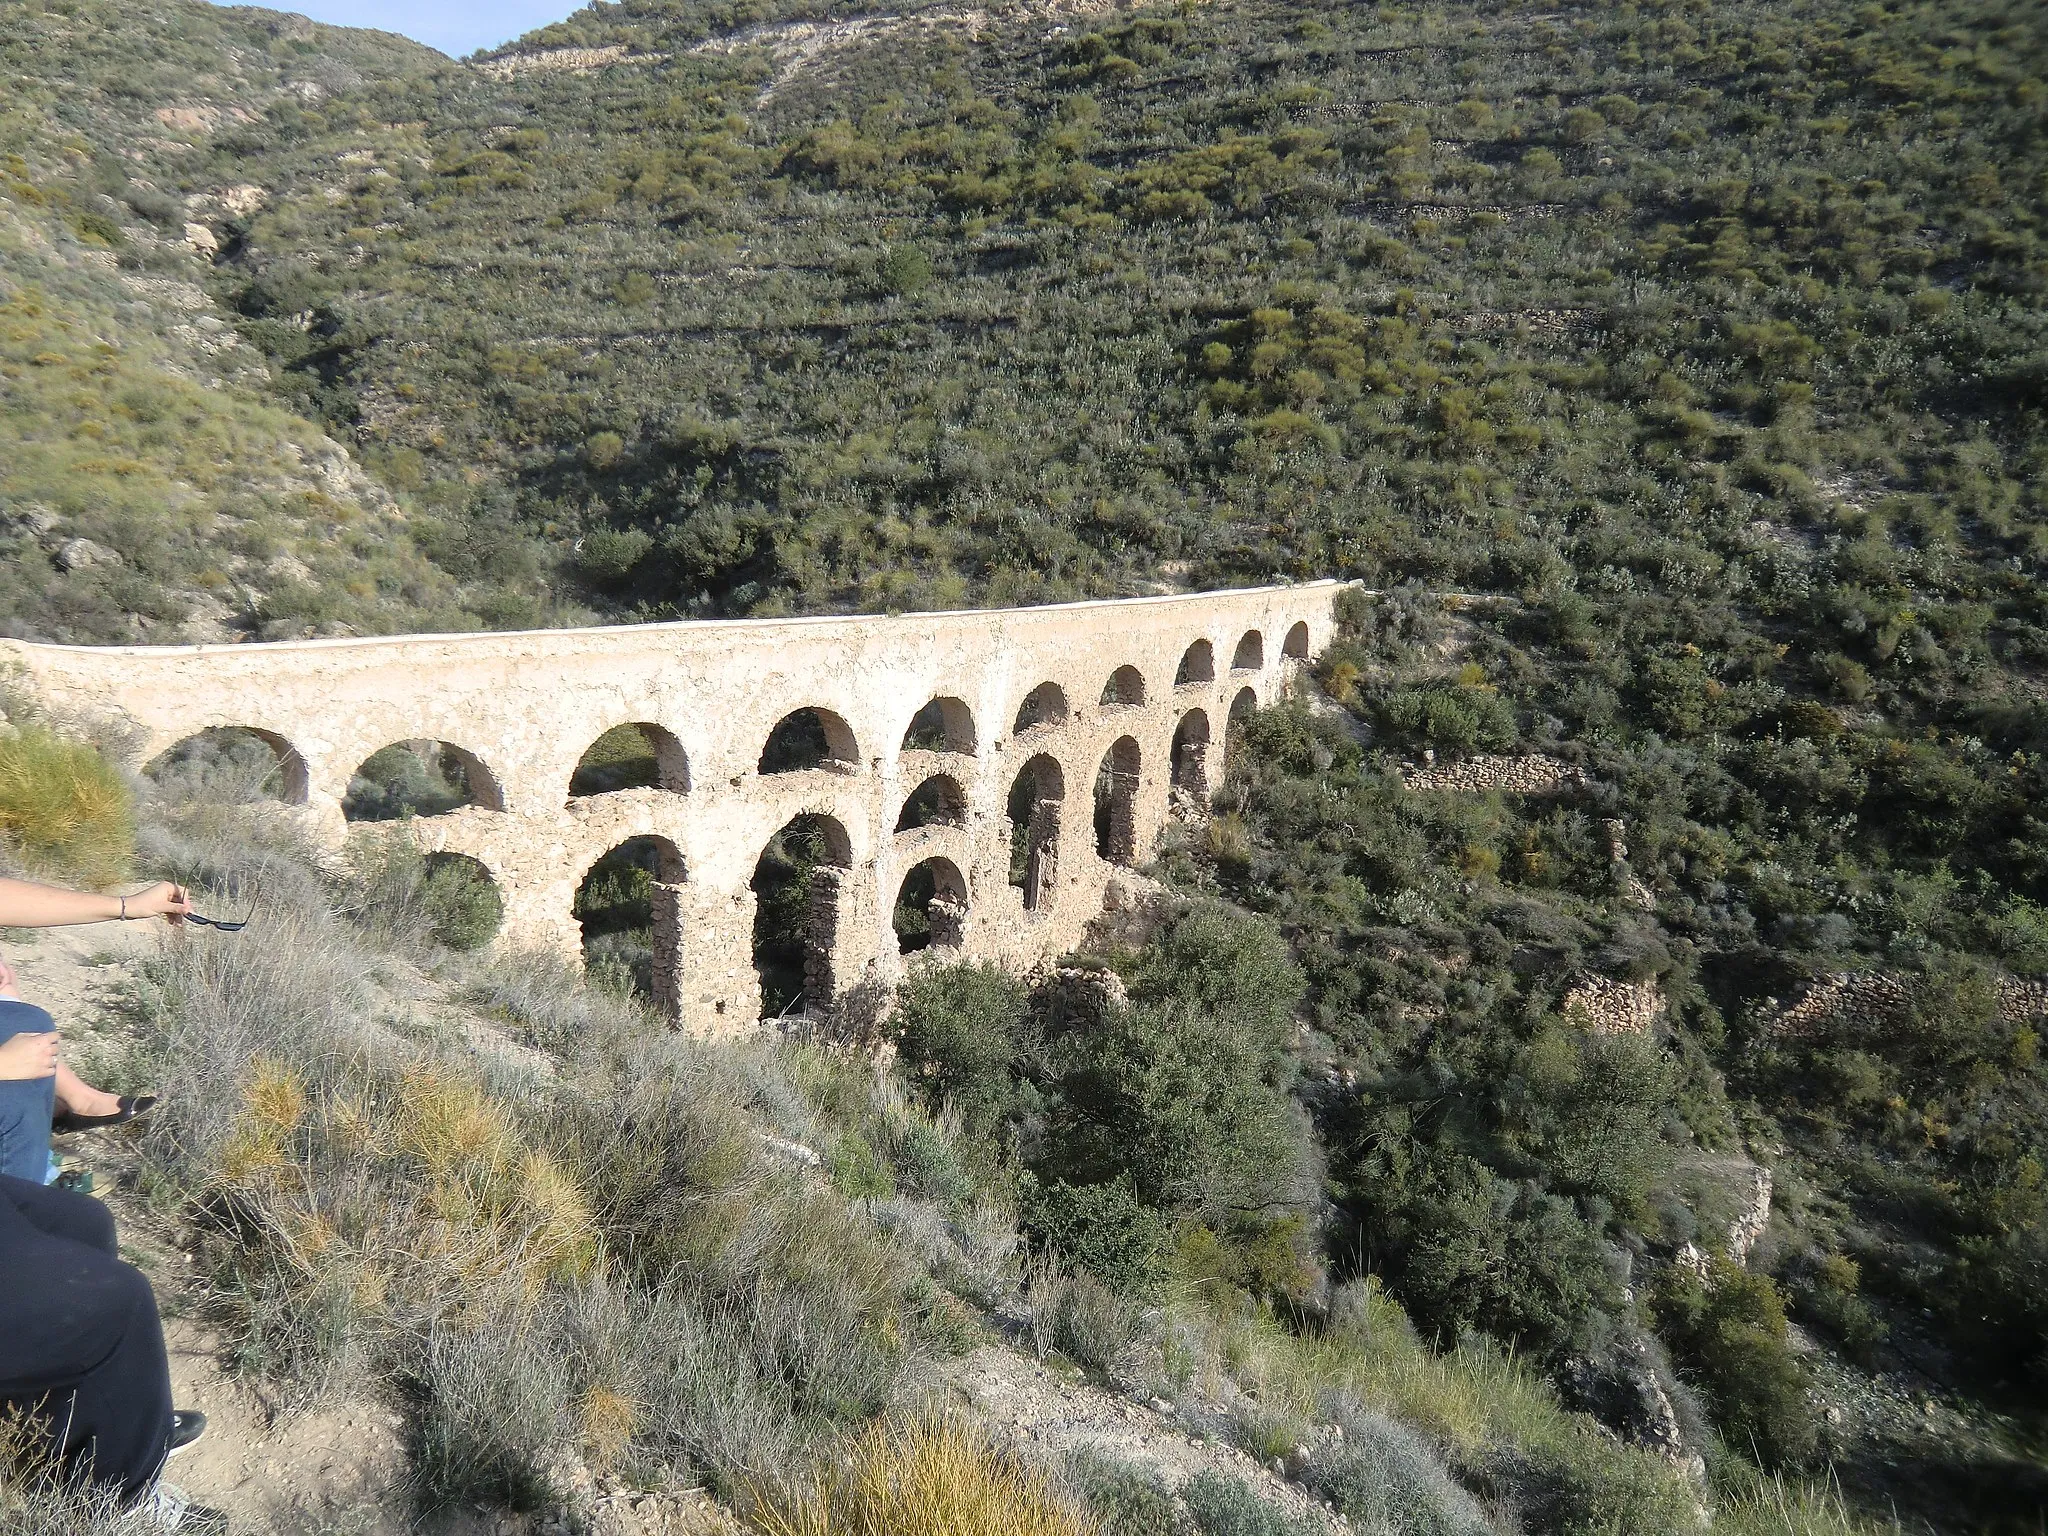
(224, 927)
(216, 923)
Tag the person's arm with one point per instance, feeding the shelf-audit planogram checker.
(24, 904)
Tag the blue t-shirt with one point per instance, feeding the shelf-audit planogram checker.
(26, 1106)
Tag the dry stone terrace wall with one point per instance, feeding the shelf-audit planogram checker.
(523, 708)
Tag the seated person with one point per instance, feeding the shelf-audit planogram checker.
(81, 1344)
(82, 1351)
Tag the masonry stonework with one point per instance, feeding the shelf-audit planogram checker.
(522, 708)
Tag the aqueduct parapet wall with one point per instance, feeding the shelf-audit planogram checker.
(523, 708)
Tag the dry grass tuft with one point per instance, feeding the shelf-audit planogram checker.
(608, 1419)
(36, 1499)
(64, 809)
(933, 1477)
(273, 1105)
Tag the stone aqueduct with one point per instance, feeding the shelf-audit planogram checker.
(1143, 691)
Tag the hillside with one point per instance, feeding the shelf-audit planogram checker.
(154, 483)
(1666, 931)
(993, 305)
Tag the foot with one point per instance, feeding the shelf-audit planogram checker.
(69, 1121)
(167, 1507)
(187, 1425)
(91, 1102)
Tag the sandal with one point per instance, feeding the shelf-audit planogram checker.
(65, 1123)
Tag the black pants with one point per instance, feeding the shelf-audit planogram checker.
(81, 1346)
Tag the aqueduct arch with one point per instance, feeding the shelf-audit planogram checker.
(897, 700)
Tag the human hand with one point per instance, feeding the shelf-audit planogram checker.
(8, 982)
(28, 1056)
(161, 900)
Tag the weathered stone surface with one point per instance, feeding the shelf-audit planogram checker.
(1879, 999)
(524, 708)
(82, 555)
(1609, 1007)
(1532, 774)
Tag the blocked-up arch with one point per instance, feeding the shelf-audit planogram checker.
(1125, 689)
(943, 725)
(231, 762)
(1116, 802)
(1197, 664)
(1250, 654)
(421, 777)
(1295, 646)
(1036, 801)
(931, 907)
(636, 755)
(810, 738)
(1242, 708)
(1044, 705)
(629, 905)
(1191, 754)
(799, 890)
(939, 801)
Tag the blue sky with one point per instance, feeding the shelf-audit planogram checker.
(455, 27)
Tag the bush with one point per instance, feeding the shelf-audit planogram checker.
(225, 765)
(407, 897)
(460, 900)
(1080, 1317)
(959, 1030)
(1385, 1480)
(1103, 1229)
(905, 270)
(1452, 720)
(1223, 1506)
(488, 1416)
(1728, 1331)
(1127, 1499)
(64, 809)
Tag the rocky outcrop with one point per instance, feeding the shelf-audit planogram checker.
(576, 61)
(1625, 1389)
(1749, 1222)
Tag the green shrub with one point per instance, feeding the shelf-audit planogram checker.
(905, 270)
(64, 810)
(1103, 1229)
(857, 1172)
(397, 781)
(926, 1163)
(959, 1030)
(460, 901)
(1456, 721)
(1223, 1506)
(1728, 1333)
(1126, 1499)
(1383, 1478)
(490, 1413)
